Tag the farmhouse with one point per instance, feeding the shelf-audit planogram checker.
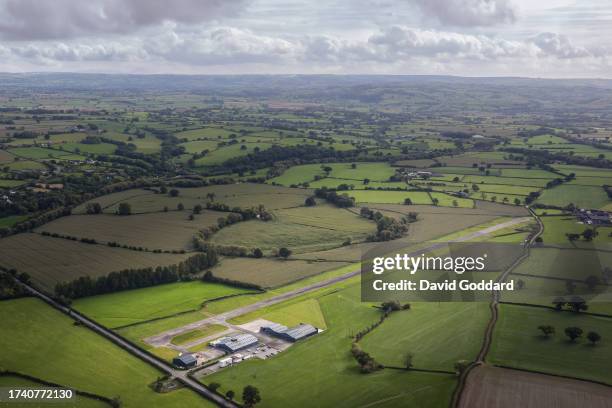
(292, 334)
(231, 344)
(594, 217)
(185, 361)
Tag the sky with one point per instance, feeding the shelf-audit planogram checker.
(534, 38)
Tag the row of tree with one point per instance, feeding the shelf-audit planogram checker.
(339, 200)
(135, 278)
(572, 332)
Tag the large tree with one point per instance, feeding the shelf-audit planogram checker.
(250, 396)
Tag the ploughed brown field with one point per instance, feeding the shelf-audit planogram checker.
(493, 387)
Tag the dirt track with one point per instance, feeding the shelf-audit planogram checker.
(493, 387)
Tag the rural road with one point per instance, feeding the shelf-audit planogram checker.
(136, 351)
(464, 379)
(165, 337)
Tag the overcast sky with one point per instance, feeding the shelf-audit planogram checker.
(536, 38)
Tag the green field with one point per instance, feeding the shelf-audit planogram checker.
(36, 152)
(301, 229)
(138, 305)
(74, 356)
(436, 334)
(196, 334)
(337, 381)
(98, 148)
(518, 343)
(171, 230)
(18, 382)
(389, 197)
(288, 313)
(11, 220)
(582, 196)
(270, 272)
(344, 172)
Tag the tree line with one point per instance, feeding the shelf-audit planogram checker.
(135, 278)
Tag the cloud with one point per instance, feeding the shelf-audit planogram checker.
(63, 19)
(559, 46)
(401, 42)
(468, 12)
(225, 49)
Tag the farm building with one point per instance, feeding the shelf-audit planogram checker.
(185, 361)
(594, 217)
(274, 329)
(232, 344)
(292, 334)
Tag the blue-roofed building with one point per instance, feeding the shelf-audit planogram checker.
(292, 334)
(231, 344)
(185, 361)
(274, 329)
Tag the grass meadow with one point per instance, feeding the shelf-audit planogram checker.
(40, 341)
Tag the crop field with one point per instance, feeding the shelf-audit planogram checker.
(298, 174)
(434, 222)
(468, 159)
(165, 230)
(74, 356)
(252, 195)
(268, 272)
(138, 305)
(583, 171)
(52, 260)
(511, 181)
(505, 189)
(235, 195)
(390, 197)
(518, 343)
(198, 146)
(146, 144)
(446, 200)
(493, 387)
(582, 196)
(36, 152)
(301, 229)
(108, 200)
(338, 382)
(457, 327)
(340, 173)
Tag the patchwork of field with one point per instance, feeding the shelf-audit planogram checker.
(303, 229)
(517, 342)
(52, 260)
(270, 272)
(235, 195)
(73, 356)
(139, 305)
(337, 381)
(493, 387)
(172, 230)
